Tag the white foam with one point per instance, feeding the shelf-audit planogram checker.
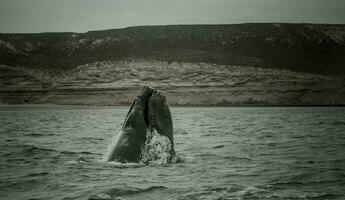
(156, 149)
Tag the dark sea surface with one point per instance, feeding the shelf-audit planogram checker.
(56, 152)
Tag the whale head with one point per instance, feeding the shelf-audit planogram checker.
(149, 112)
(151, 105)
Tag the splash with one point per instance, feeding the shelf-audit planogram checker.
(112, 145)
(157, 149)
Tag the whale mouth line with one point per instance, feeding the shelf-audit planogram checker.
(149, 101)
(146, 113)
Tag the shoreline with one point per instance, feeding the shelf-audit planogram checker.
(172, 105)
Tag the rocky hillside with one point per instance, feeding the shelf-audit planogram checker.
(245, 64)
(300, 47)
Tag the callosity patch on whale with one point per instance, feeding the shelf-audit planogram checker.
(149, 113)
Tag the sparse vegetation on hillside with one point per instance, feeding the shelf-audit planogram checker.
(298, 47)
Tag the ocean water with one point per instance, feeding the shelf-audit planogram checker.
(56, 152)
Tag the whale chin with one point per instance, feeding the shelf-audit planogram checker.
(148, 113)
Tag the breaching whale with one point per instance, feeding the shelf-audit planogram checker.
(148, 113)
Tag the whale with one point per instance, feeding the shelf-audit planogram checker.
(148, 113)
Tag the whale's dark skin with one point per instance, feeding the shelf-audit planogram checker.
(149, 111)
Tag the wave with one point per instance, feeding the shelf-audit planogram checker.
(234, 191)
(33, 151)
(22, 183)
(218, 147)
(228, 192)
(37, 134)
(123, 191)
(325, 196)
(120, 165)
(231, 158)
(235, 158)
(37, 174)
(312, 178)
(180, 131)
(301, 183)
(177, 158)
(337, 122)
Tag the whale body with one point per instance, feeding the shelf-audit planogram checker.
(148, 113)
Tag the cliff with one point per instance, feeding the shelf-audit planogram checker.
(244, 64)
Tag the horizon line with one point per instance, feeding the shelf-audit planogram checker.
(155, 25)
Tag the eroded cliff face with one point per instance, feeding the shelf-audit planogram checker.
(312, 48)
(116, 82)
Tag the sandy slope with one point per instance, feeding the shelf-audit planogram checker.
(115, 83)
